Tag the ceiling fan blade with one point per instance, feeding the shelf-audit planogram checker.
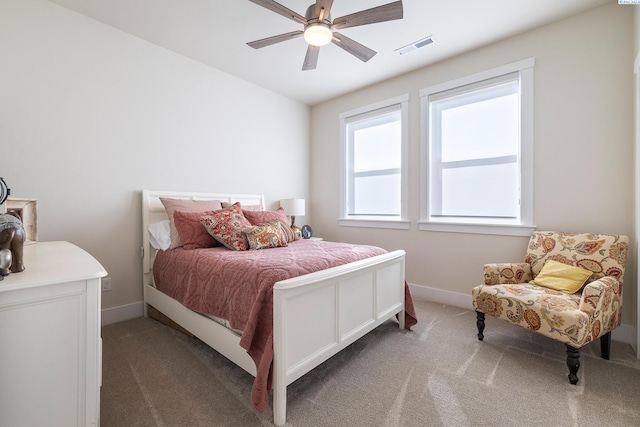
(311, 58)
(257, 44)
(387, 12)
(281, 10)
(326, 4)
(361, 52)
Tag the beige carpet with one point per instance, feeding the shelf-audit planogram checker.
(439, 374)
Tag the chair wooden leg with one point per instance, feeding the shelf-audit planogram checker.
(480, 324)
(573, 363)
(605, 345)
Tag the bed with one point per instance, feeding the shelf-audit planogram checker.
(346, 302)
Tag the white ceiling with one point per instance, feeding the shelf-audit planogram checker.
(215, 32)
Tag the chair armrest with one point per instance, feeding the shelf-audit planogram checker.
(601, 295)
(505, 273)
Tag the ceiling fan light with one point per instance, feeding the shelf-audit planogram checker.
(318, 34)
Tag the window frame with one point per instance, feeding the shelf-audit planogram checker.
(525, 225)
(375, 221)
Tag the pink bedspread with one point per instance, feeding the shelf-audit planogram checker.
(238, 286)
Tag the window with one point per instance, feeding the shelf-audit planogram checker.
(374, 159)
(477, 153)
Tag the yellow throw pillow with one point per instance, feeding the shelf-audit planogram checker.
(561, 277)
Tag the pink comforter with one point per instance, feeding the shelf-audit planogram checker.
(238, 286)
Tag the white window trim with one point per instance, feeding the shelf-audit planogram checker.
(401, 222)
(526, 226)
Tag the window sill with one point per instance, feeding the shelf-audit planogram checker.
(397, 224)
(496, 229)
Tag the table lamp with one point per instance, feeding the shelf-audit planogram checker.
(293, 208)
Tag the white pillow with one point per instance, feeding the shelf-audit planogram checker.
(160, 235)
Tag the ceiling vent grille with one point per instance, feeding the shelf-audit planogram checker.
(416, 45)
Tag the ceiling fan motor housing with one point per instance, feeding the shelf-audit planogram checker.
(310, 15)
(317, 30)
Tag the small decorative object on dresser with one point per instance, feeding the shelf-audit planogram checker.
(12, 237)
(307, 232)
(5, 260)
(27, 211)
(4, 191)
(5, 254)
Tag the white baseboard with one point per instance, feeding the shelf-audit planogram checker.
(122, 313)
(441, 296)
(623, 333)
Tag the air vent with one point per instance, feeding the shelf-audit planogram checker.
(416, 45)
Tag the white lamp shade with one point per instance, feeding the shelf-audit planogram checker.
(293, 207)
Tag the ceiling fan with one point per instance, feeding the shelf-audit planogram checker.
(319, 30)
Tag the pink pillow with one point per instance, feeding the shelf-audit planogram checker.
(260, 217)
(227, 227)
(185, 205)
(192, 234)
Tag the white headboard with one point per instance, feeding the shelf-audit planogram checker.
(153, 211)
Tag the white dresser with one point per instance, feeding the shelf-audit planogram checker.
(50, 345)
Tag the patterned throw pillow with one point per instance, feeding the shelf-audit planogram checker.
(290, 234)
(227, 227)
(266, 235)
(192, 234)
(261, 217)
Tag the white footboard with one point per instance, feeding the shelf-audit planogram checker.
(317, 315)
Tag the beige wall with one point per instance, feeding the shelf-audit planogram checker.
(636, 29)
(636, 50)
(583, 148)
(90, 116)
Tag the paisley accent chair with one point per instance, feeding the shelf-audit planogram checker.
(575, 319)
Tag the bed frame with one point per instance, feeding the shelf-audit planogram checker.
(344, 303)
